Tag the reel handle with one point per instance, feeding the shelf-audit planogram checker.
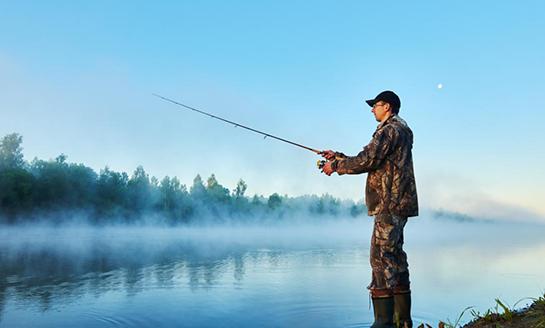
(320, 163)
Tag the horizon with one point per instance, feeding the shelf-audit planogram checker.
(78, 79)
(70, 216)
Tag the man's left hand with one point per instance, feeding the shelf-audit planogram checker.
(327, 154)
(328, 169)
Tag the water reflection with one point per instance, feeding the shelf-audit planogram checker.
(239, 276)
(52, 272)
(46, 265)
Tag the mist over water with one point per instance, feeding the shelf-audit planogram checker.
(309, 274)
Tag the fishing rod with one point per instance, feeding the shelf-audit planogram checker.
(238, 125)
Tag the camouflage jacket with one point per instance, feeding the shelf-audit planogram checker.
(391, 187)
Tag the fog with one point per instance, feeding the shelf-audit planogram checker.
(73, 239)
(48, 268)
(60, 251)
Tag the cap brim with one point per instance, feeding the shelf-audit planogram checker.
(370, 102)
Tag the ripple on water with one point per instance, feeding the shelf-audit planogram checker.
(315, 313)
(107, 320)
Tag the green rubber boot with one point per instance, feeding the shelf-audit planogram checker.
(383, 309)
(402, 308)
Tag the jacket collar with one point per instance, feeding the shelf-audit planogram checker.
(388, 120)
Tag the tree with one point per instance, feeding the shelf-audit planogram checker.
(197, 190)
(167, 194)
(357, 209)
(184, 203)
(174, 200)
(331, 205)
(52, 187)
(57, 185)
(216, 192)
(11, 152)
(274, 201)
(139, 191)
(256, 201)
(82, 182)
(240, 189)
(111, 191)
(16, 187)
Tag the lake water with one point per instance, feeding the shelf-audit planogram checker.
(297, 275)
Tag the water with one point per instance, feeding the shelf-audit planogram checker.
(304, 275)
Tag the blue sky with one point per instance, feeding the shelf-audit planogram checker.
(77, 77)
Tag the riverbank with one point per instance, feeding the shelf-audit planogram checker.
(532, 316)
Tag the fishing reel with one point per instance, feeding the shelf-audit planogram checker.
(321, 163)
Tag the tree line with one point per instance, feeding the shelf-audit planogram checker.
(57, 189)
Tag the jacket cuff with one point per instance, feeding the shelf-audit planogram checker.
(339, 155)
(334, 165)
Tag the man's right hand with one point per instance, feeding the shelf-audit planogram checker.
(328, 154)
(328, 168)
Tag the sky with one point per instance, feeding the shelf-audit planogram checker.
(77, 78)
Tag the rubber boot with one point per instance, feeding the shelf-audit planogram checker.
(402, 308)
(383, 309)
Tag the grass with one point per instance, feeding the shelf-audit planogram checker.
(456, 323)
(503, 315)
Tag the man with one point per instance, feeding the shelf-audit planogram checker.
(390, 196)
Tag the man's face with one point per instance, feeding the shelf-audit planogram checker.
(381, 110)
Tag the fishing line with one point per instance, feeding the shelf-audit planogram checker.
(265, 135)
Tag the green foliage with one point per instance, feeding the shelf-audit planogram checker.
(240, 189)
(540, 303)
(197, 190)
(326, 204)
(240, 204)
(56, 185)
(456, 323)
(139, 191)
(507, 312)
(216, 192)
(16, 190)
(111, 191)
(494, 314)
(357, 210)
(174, 202)
(503, 314)
(274, 201)
(11, 152)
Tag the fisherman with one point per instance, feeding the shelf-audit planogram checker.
(390, 196)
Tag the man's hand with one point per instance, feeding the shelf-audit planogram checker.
(328, 154)
(327, 169)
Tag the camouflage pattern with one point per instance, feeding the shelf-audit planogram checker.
(391, 187)
(388, 260)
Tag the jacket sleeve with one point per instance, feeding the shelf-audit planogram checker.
(372, 156)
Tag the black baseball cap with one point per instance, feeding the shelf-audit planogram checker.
(386, 96)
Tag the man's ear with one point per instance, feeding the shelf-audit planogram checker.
(388, 107)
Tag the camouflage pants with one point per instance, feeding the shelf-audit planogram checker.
(388, 260)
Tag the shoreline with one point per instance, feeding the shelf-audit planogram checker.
(503, 316)
(530, 316)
